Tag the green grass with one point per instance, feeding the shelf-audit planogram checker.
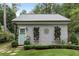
(48, 52)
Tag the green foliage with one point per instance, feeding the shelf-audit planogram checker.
(69, 10)
(26, 42)
(74, 39)
(37, 9)
(6, 36)
(9, 36)
(39, 47)
(44, 8)
(26, 47)
(10, 15)
(3, 39)
(0, 27)
(14, 44)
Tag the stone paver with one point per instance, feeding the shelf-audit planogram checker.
(13, 54)
(8, 51)
(2, 51)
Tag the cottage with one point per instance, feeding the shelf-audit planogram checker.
(41, 29)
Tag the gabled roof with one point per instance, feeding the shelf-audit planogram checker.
(41, 17)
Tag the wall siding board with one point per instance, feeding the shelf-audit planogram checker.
(46, 39)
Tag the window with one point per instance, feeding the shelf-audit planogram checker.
(57, 33)
(36, 34)
(22, 31)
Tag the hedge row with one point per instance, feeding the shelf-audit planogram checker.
(26, 47)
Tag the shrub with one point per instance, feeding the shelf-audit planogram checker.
(74, 39)
(9, 36)
(26, 42)
(26, 47)
(75, 47)
(2, 37)
(6, 36)
(14, 44)
(41, 47)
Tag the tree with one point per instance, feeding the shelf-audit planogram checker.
(23, 12)
(44, 8)
(37, 9)
(1, 14)
(74, 26)
(74, 39)
(15, 7)
(10, 15)
(69, 10)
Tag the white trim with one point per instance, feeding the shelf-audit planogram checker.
(42, 22)
(21, 27)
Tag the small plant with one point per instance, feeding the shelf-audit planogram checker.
(74, 39)
(27, 42)
(26, 47)
(14, 44)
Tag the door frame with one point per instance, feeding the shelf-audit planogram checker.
(21, 27)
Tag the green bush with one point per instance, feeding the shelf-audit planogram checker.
(38, 47)
(6, 37)
(26, 47)
(2, 37)
(75, 47)
(10, 36)
(74, 39)
(26, 42)
(42, 47)
(14, 44)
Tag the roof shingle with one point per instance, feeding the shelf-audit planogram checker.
(41, 17)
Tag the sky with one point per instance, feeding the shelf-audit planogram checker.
(25, 6)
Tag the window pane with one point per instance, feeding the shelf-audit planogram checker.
(22, 31)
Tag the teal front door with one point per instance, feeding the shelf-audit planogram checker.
(22, 36)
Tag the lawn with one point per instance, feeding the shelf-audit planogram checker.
(6, 50)
(48, 52)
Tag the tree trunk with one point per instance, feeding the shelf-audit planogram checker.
(4, 17)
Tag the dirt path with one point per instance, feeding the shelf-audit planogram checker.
(6, 48)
